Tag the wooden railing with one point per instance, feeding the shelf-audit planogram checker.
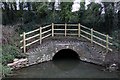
(42, 33)
(78, 30)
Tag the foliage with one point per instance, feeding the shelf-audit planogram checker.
(10, 36)
(9, 15)
(9, 53)
(27, 27)
(42, 9)
(116, 38)
(4, 70)
(81, 11)
(42, 14)
(109, 16)
(28, 16)
(91, 16)
(65, 13)
(10, 47)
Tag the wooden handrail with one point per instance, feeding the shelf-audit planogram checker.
(85, 32)
(59, 24)
(102, 34)
(59, 29)
(47, 31)
(102, 40)
(79, 29)
(32, 31)
(102, 45)
(67, 29)
(32, 37)
(46, 36)
(72, 25)
(33, 42)
(46, 26)
(85, 37)
(85, 27)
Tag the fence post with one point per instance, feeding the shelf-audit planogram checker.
(79, 30)
(107, 43)
(91, 35)
(40, 35)
(65, 28)
(52, 29)
(24, 43)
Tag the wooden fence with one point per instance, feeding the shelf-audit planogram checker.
(64, 30)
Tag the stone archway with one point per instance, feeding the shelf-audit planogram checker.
(86, 52)
(66, 59)
(66, 54)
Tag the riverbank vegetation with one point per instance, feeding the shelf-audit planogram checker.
(31, 15)
(10, 47)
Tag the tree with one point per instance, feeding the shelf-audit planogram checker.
(92, 16)
(81, 11)
(109, 16)
(65, 13)
(10, 14)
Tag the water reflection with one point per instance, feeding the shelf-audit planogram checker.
(66, 64)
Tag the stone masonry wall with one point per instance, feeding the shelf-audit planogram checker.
(85, 50)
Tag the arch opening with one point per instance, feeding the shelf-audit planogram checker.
(66, 54)
(66, 59)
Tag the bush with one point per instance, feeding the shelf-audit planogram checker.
(10, 36)
(9, 53)
(11, 44)
(28, 17)
(4, 70)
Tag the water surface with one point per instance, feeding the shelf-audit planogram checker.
(64, 68)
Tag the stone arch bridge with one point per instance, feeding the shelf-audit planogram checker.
(90, 45)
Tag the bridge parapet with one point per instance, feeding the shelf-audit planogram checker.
(77, 30)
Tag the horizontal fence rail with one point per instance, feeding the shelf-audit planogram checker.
(66, 30)
(41, 34)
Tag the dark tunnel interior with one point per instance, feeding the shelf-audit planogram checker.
(66, 54)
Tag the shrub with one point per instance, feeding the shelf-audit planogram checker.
(4, 70)
(10, 36)
(11, 44)
(9, 53)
